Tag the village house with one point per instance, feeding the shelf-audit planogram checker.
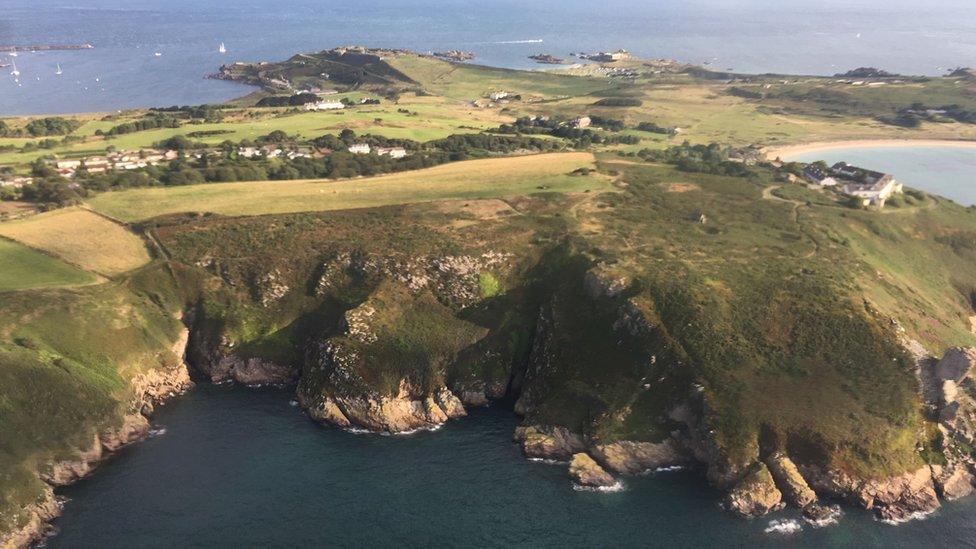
(581, 122)
(96, 164)
(359, 148)
(248, 152)
(497, 95)
(393, 152)
(68, 164)
(16, 182)
(325, 106)
(873, 188)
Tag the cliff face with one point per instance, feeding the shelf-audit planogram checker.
(146, 390)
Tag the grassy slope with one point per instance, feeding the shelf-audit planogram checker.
(81, 238)
(471, 179)
(65, 358)
(25, 268)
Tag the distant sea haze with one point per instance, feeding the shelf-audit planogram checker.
(123, 70)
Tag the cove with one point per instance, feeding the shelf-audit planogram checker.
(244, 467)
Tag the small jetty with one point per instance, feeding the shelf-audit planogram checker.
(46, 47)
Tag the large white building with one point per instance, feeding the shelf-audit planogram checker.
(325, 106)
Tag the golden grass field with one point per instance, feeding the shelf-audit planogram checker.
(81, 238)
(486, 178)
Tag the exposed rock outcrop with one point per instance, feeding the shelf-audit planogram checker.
(953, 482)
(404, 412)
(755, 494)
(633, 458)
(956, 364)
(896, 499)
(795, 490)
(587, 472)
(555, 443)
(37, 525)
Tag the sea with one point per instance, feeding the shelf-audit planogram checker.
(123, 71)
(235, 467)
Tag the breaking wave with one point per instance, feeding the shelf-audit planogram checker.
(832, 518)
(917, 515)
(616, 487)
(784, 527)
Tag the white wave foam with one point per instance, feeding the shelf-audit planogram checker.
(546, 461)
(832, 518)
(616, 487)
(784, 527)
(670, 469)
(293, 403)
(530, 41)
(917, 515)
(153, 433)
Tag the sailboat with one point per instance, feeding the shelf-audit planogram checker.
(59, 72)
(222, 48)
(15, 72)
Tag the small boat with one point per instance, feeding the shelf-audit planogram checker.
(12, 54)
(15, 72)
(157, 54)
(59, 72)
(222, 48)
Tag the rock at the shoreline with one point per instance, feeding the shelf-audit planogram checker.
(257, 371)
(37, 526)
(556, 443)
(821, 515)
(449, 403)
(587, 472)
(134, 427)
(63, 473)
(897, 498)
(756, 494)
(955, 483)
(956, 364)
(474, 398)
(403, 412)
(789, 480)
(632, 458)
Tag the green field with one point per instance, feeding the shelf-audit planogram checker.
(24, 268)
(510, 176)
(81, 238)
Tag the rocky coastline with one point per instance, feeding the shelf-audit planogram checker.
(149, 389)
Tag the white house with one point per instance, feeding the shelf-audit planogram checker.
(325, 106)
(495, 96)
(68, 164)
(393, 152)
(359, 148)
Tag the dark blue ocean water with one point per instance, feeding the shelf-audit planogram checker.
(797, 36)
(245, 468)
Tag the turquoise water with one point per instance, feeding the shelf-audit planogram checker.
(245, 468)
(945, 171)
(794, 36)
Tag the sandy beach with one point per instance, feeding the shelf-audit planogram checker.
(788, 151)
